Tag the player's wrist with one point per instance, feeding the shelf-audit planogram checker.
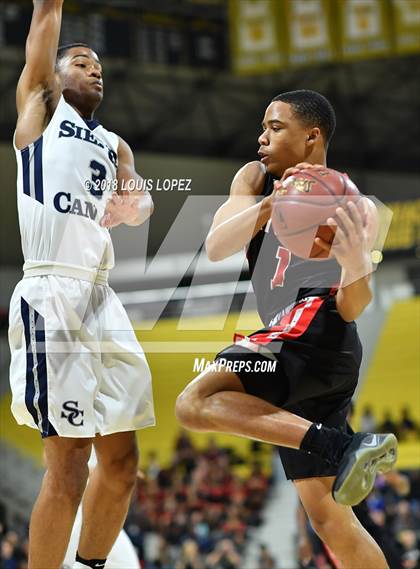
(357, 267)
(267, 205)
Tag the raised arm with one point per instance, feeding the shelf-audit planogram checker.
(38, 89)
(240, 217)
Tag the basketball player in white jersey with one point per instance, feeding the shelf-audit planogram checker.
(77, 373)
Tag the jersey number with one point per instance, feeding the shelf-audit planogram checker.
(98, 175)
(283, 255)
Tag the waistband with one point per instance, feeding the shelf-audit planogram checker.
(283, 312)
(46, 268)
(286, 310)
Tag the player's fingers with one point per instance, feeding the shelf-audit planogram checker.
(339, 234)
(104, 222)
(323, 244)
(363, 207)
(116, 199)
(355, 216)
(289, 172)
(344, 221)
(308, 166)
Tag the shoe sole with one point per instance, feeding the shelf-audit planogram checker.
(356, 481)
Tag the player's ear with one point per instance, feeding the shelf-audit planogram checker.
(312, 136)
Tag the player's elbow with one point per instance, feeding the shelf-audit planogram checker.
(349, 311)
(151, 207)
(146, 208)
(213, 251)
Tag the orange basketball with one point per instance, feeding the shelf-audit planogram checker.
(303, 205)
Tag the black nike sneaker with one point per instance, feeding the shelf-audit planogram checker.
(366, 455)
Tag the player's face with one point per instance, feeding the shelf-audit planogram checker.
(283, 142)
(80, 73)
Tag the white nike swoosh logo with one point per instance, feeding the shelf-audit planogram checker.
(372, 443)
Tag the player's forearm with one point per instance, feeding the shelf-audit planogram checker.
(353, 298)
(236, 232)
(42, 40)
(47, 5)
(46, 13)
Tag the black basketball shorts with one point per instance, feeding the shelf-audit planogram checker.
(315, 376)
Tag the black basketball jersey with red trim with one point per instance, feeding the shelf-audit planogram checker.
(279, 277)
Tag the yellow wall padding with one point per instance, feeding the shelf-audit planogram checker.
(393, 377)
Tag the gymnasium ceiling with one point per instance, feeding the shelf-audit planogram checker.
(201, 108)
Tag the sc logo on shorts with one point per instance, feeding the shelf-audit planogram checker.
(73, 412)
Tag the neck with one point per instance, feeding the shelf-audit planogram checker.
(84, 113)
(85, 108)
(316, 156)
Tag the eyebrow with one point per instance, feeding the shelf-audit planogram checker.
(87, 57)
(272, 121)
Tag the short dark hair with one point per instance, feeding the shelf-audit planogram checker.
(312, 109)
(63, 49)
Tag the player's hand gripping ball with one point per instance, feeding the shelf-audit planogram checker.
(302, 205)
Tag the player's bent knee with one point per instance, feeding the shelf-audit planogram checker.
(186, 412)
(121, 472)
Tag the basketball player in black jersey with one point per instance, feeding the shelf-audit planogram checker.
(308, 309)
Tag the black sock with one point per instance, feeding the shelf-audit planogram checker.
(94, 563)
(326, 442)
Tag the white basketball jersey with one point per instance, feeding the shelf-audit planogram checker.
(64, 180)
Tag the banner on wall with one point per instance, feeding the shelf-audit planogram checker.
(365, 29)
(309, 31)
(407, 25)
(256, 39)
(404, 232)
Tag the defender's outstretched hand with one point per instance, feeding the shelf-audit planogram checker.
(121, 209)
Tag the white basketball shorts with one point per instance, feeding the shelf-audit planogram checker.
(77, 369)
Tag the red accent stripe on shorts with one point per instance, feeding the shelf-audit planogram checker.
(293, 324)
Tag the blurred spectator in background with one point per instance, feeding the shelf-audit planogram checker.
(407, 427)
(13, 551)
(410, 549)
(190, 556)
(407, 517)
(265, 560)
(225, 556)
(185, 454)
(153, 466)
(367, 420)
(3, 519)
(388, 425)
(185, 512)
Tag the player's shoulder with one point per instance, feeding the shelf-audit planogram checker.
(249, 178)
